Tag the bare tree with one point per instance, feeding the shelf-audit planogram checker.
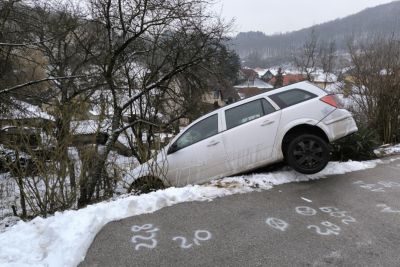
(316, 55)
(144, 62)
(29, 32)
(164, 39)
(375, 85)
(306, 59)
(55, 60)
(327, 59)
(67, 41)
(13, 69)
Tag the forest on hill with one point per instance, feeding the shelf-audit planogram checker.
(260, 50)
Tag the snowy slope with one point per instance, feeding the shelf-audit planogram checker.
(63, 239)
(388, 150)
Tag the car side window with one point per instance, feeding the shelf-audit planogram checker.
(201, 130)
(268, 108)
(247, 112)
(292, 97)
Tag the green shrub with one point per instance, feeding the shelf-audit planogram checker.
(358, 146)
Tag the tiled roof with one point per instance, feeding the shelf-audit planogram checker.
(249, 92)
(257, 83)
(290, 79)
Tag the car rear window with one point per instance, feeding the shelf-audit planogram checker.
(292, 97)
(247, 112)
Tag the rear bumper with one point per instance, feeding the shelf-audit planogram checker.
(338, 124)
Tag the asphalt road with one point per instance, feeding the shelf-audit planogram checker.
(344, 220)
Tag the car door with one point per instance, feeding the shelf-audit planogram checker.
(198, 154)
(250, 134)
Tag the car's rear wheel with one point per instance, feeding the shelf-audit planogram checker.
(307, 153)
(146, 184)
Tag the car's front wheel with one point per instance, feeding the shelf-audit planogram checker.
(307, 153)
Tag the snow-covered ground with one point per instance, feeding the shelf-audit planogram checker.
(387, 150)
(24, 110)
(8, 187)
(63, 239)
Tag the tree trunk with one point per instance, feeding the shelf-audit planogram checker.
(99, 172)
(21, 188)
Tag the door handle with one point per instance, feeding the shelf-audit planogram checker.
(267, 122)
(213, 143)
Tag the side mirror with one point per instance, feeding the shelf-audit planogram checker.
(172, 149)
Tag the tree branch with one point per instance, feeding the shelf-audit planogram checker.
(10, 89)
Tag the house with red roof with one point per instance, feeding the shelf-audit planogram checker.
(290, 79)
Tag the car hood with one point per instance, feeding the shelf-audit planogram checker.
(155, 166)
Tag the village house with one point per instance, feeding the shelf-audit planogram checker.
(252, 87)
(290, 79)
(324, 80)
(269, 74)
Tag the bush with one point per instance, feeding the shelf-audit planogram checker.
(358, 146)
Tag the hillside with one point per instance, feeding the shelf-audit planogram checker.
(379, 20)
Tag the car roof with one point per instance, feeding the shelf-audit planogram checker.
(305, 85)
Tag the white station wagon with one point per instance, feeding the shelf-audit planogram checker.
(295, 123)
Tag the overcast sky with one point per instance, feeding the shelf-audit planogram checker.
(273, 16)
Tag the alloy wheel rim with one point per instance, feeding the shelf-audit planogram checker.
(308, 154)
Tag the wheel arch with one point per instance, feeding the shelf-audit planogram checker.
(150, 179)
(301, 129)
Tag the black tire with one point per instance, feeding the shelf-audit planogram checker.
(307, 153)
(146, 184)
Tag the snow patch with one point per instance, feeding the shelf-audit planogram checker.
(267, 180)
(24, 110)
(386, 150)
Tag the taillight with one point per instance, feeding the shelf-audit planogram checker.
(331, 100)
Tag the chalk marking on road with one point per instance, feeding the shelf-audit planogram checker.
(137, 228)
(335, 212)
(378, 187)
(387, 209)
(348, 219)
(306, 211)
(184, 244)
(370, 187)
(306, 199)
(278, 224)
(199, 236)
(381, 190)
(330, 228)
(389, 184)
(149, 229)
